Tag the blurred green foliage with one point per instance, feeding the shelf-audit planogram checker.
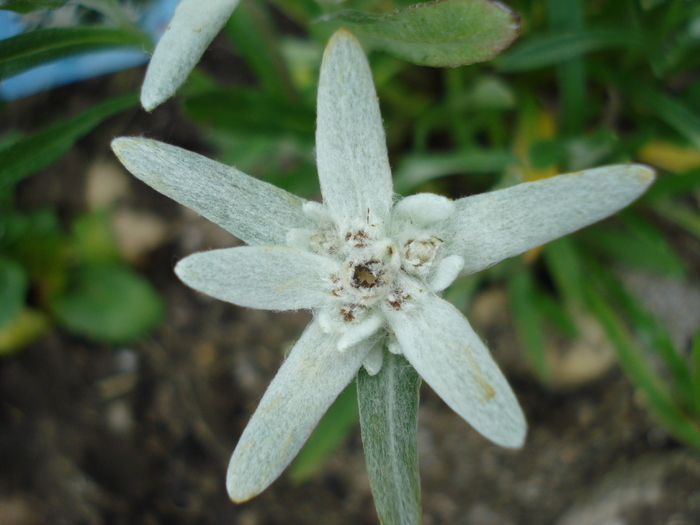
(53, 273)
(75, 279)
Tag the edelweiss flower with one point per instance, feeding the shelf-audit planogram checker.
(193, 26)
(371, 271)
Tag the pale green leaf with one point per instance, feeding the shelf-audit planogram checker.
(388, 405)
(445, 33)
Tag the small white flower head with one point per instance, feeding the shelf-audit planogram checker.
(193, 26)
(371, 271)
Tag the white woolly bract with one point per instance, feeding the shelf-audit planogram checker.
(305, 386)
(283, 278)
(353, 164)
(194, 25)
(424, 208)
(438, 341)
(490, 227)
(254, 211)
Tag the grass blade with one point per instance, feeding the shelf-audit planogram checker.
(33, 48)
(27, 155)
(547, 50)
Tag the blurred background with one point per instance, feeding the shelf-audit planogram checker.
(123, 392)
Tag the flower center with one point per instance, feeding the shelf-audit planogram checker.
(363, 276)
(368, 271)
(419, 254)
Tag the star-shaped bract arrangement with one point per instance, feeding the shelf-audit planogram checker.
(370, 270)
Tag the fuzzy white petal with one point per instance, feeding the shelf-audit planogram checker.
(194, 25)
(353, 165)
(305, 386)
(265, 277)
(361, 331)
(424, 208)
(314, 210)
(446, 272)
(375, 359)
(253, 210)
(438, 341)
(490, 227)
(393, 346)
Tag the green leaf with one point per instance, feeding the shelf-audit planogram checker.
(489, 92)
(670, 185)
(545, 153)
(674, 112)
(27, 6)
(26, 326)
(445, 33)
(327, 436)
(650, 4)
(695, 351)
(415, 169)
(287, 164)
(562, 259)
(33, 48)
(540, 51)
(108, 302)
(680, 214)
(587, 151)
(388, 405)
(251, 111)
(567, 15)
(639, 245)
(648, 329)
(93, 239)
(526, 315)
(37, 242)
(252, 30)
(13, 289)
(29, 154)
(557, 315)
(9, 138)
(641, 373)
(462, 291)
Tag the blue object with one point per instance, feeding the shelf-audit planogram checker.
(81, 66)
